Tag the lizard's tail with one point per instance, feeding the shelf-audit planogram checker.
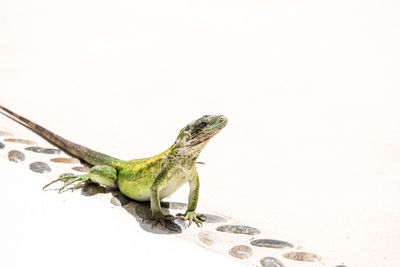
(89, 156)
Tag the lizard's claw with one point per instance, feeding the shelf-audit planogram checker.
(191, 216)
(69, 180)
(159, 218)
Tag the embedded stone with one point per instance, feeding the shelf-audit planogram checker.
(43, 150)
(301, 256)
(81, 169)
(1, 145)
(143, 211)
(208, 238)
(119, 200)
(174, 205)
(16, 156)
(39, 167)
(241, 252)
(66, 160)
(271, 243)
(174, 226)
(271, 262)
(90, 189)
(212, 218)
(19, 141)
(115, 201)
(238, 229)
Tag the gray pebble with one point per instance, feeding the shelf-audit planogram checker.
(174, 226)
(115, 201)
(212, 218)
(271, 243)
(301, 256)
(271, 262)
(120, 200)
(90, 189)
(1, 145)
(143, 211)
(208, 238)
(241, 252)
(174, 205)
(238, 229)
(39, 167)
(43, 150)
(16, 156)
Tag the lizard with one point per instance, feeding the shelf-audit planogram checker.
(146, 179)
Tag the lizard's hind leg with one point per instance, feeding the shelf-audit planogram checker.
(104, 175)
(69, 180)
(100, 174)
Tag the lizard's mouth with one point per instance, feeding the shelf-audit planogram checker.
(209, 132)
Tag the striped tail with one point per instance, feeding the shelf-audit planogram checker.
(86, 154)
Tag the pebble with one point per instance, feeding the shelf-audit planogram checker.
(81, 169)
(301, 256)
(212, 218)
(39, 167)
(174, 205)
(241, 252)
(19, 141)
(143, 211)
(238, 229)
(1, 145)
(66, 160)
(120, 200)
(16, 156)
(90, 189)
(175, 226)
(271, 262)
(43, 150)
(271, 243)
(208, 238)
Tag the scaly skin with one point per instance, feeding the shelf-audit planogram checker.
(142, 179)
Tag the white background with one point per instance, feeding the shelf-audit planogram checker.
(311, 90)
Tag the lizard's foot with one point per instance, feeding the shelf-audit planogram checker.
(75, 180)
(159, 218)
(191, 216)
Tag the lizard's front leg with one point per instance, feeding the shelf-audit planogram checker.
(155, 206)
(190, 213)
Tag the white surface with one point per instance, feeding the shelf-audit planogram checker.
(311, 90)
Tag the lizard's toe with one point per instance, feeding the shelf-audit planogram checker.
(191, 216)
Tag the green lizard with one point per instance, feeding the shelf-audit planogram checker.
(145, 179)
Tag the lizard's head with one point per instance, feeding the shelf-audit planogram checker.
(200, 131)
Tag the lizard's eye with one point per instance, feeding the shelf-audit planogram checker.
(202, 125)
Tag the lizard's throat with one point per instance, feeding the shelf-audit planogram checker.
(191, 151)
